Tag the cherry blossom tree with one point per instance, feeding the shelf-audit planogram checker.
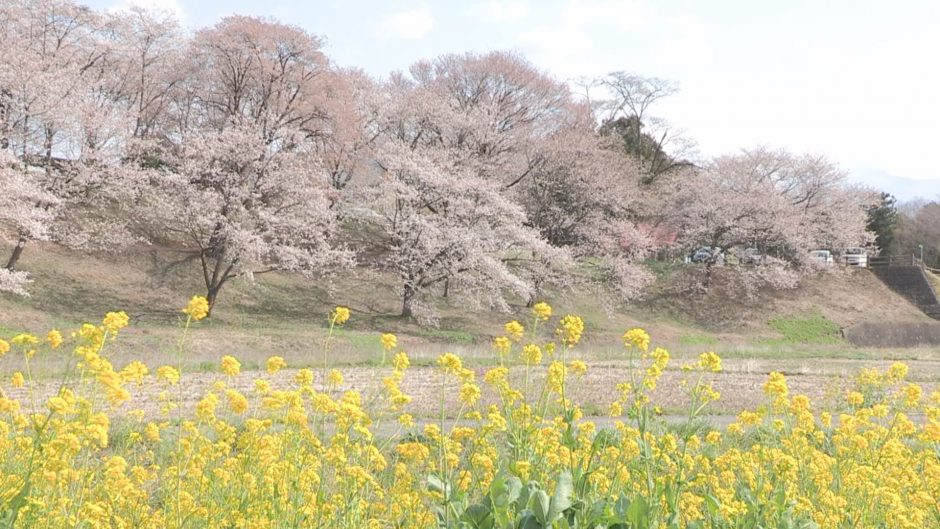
(441, 221)
(23, 212)
(240, 179)
(782, 204)
(456, 137)
(59, 119)
(494, 108)
(146, 63)
(586, 197)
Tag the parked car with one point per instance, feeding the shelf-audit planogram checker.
(855, 257)
(822, 257)
(708, 254)
(750, 256)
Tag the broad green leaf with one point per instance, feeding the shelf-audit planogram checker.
(563, 497)
(541, 506)
(638, 514)
(478, 516)
(529, 521)
(505, 490)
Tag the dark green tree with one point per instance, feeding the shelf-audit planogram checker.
(646, 149)
(882, 220)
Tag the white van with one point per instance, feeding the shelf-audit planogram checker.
(822, 257)
(855, 257)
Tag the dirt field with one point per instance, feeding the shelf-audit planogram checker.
(825, 381)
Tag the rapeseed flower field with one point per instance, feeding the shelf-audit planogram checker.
(307, 454)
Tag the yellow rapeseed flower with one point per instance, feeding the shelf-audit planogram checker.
(24, 339)
(304, 377)
(450, 363)
(58, 405)
(709, 361)
(855, 398)
(406, 420)
(515, 330)
(18, 380)
(115, 321)
(638, 338)
(152, 432)
(532, 354)
(569, 330)
(335, 378)
(502, 345)
(776, 385)
(912, 394)
(54, 338)
(542, 310)
(578, 367)
(389, 341)
(236, 401)
(555, 378)
(230, 366)
(400, 361)
(897, 372)
(340, 315)
(469, 393)
(168, 374)
(197, 308)
(275, 364)
(4, 347)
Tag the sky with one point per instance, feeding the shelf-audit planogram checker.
(854, 80)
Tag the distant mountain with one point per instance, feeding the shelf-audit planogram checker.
(903, 188)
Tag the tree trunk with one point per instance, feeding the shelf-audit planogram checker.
(211, 295)
(407, 311)
(446, 287)
(17, 252)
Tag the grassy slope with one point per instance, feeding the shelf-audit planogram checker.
(286, 315)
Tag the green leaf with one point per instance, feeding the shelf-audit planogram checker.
(529, 521)
(712, 505)
(505, 490)
(780, 498)
(540, 504)
(478, 516)
(638, 514)
(525, 495)
(621, 507)
(563, 497)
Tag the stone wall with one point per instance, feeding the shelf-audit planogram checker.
(877, 334)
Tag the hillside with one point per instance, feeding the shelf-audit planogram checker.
(280, 314)
(151, 283)
(845, 296)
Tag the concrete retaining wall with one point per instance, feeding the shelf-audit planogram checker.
(893, 334)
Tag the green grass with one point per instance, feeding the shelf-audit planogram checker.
(662, 269)
(447, 336)
(690, 338)
(812, 329)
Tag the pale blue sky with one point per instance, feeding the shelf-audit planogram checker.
(855, 80)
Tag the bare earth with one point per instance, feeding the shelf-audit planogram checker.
(740, 385)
